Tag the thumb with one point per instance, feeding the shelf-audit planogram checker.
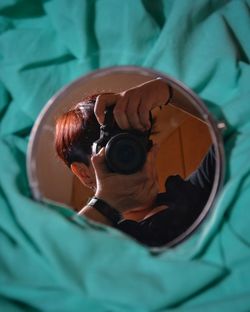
(98, 162)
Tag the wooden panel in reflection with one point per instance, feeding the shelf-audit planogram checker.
(182, 151)
(195, 140)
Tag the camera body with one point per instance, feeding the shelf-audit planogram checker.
(125, 150)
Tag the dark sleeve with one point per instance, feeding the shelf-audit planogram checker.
(185, 200)
(202, 178)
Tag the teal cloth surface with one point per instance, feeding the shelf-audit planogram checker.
(51, 260)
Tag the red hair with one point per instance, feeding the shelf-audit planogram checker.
(76, 130)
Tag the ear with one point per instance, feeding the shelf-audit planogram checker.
(84, 173)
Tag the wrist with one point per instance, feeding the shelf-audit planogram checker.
(107, 199)
(105, 209)
(93, 214)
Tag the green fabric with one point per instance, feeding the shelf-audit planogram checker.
(51, 260)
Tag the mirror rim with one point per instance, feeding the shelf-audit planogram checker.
(212, 123)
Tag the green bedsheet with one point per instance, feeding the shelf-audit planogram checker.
(51, 260)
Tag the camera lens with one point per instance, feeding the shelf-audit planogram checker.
(125, 154)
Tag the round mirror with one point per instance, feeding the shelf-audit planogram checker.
(191, 150)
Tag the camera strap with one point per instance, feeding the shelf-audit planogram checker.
(105, 209)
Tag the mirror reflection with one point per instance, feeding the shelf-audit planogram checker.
(134, 152)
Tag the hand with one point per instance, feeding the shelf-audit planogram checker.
(132, 106)
(126, 192)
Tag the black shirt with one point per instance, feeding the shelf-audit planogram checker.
(185, 200)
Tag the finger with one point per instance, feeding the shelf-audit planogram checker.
(103, 101)
(98, 162)
(143, 112)
(132, 114)
(153, 190)
(155, 150)
(120, 113)
(152, 161)
(150, 166)
(147, 169)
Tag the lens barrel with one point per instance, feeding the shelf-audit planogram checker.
(125, 153)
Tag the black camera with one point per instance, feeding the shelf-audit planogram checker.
(125, 150)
